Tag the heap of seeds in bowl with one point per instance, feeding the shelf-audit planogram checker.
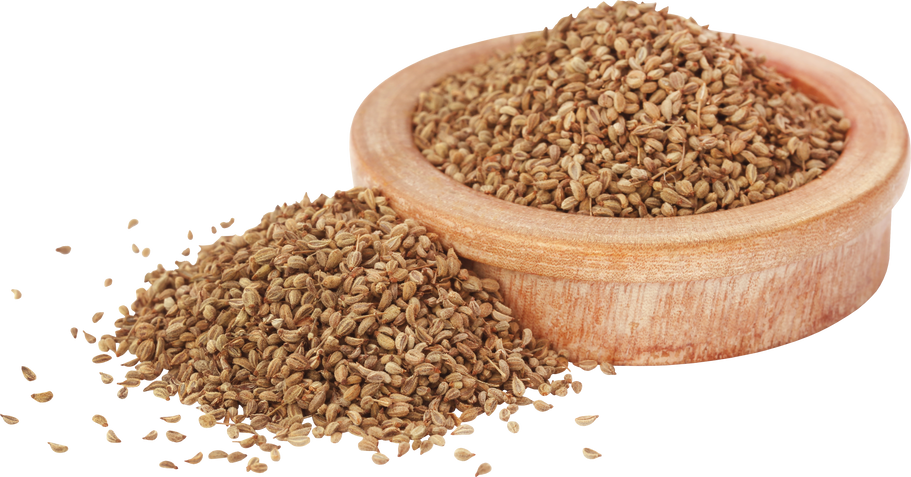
(338, 310)
(626, 111)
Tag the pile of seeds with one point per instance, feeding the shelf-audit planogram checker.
(341, 311)
(630, 112)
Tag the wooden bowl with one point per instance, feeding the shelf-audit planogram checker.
(671, 290)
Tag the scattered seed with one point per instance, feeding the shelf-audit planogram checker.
(64, 249)
(190, 235)
(227, 224)
(124, 311)
(379, 460)
(426, 446)
(588, 364)
(108, 282)
(74, 332)
(88, 338)
(175, 436)
(106, 378)
(577, 387)
(135, 248)
(168, 466)
(512, 426)
(186, 252)
(171, 419)
(98, 419)
(101, 358)
(541, 405)
(111, 437)
(608, 369)
(504, 414)
(27, 373)
(207, 421)
(236, 457)
(274, 455)
(9, 419)
(256, 465)
(299, 441)
(43, 396)
(214, 230)
(483, 469)
(161, 393)
(585, 420)
(97, 317)
(462, 455)
(218, 454)
(133, 223)
(16, 294)
(151, 436)
(57, 447)
(146, 252)
(123, 392)
(463, 430)
(195, 458)
(590, 455)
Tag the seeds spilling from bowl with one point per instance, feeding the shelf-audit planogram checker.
(339, 310)
(626, 111)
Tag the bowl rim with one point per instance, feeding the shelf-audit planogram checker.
(857, 192)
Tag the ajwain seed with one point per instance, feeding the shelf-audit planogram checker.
(195, 459)
(512, 426)
(43, 397)
(275, 455)
(123, 392)
(463, 430)
(190, 235)
(586, 420)
(64, 249)
(171, 419)
(236, 457)
(259, 468)
(379, 458)
(151, 436)
(106, 378)
(58, 448)
(101, 358)
(133, 223)
(9, 419)
(227, 224)
(175, 436)
(214, 230)
(146, 252)
(484, 468)
(608, 369)
(542, 406)
(111, 437)
(124, 311)
(217, 454)
(97, 317)
(88, 338)
(588, 364)
(29, 374)
(590, 454)
(74, 332)
(166, 464)
(16, 294)
(186, 252)
(463, 454)
(100, 420)
(135, 248)
(207, 421)
(108, 282)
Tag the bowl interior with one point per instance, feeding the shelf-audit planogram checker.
(853, 194)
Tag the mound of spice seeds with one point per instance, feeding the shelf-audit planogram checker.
(337, 310)
(630, 112)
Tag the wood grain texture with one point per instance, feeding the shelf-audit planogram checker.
(691, 288)
(699, 320)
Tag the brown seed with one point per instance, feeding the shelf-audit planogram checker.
(386, 343)
(171, 419)
(399, 410)
(100, 420)
(227, 224)
(146, 252)
(379, 460)
(111, 437)
(108, 282)
(585, 420)
(275, 455)
(43, 397)
(161, 393)
(265, 255)
(463, 430)
(345, 327)
(259, 468)
(424, 369)
(64, 249)
(97, 317)
(88, 338)
(190, 235)
(217, 454)
(483, 469)
(123, 392)
(214, 230)
(608, 369)
(317, 401)
(462, 455)
(186, 252)
(175, 436)
(577, 387)
(166, 464)
(293, 394)
(145, 349)
(9, 419)
(101, 358)
(74, 332)
(106, 378)
(236, 457)
(58, 448)
(542, 406)
(16, 294)
(195, 459)
(588, 364)
(512, 426)
(124, 311)
(590, 455)
(133, 223)
(207, 421)
(29, 374)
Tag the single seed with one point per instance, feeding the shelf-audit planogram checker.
(217, 454)
(124, 311)
(233, 432)
(88, 338)
(97, 317)
(111, 437)
(463, 430)
(171, 419)
(207, 421)
(133, 223)
(227, 224)
(299, 441)
(462, 455)
(588, 364)
(590, 454)
(190, 235)
(504, 414)
(275, 455)
(64, 249)
(135, 248)
(236, 457)
(108, 282)
(577, 387)
(151, 436)
(123, 392)
(161, 393)
(186, 252)
(513, 427)
(214, 230)
(585, 420)
(175, 436)
(195, 459)
(542, 406)
(100, 420)
(484, 468)
(29, 374)
(101, 358)
(106, 378)
(74, 332)
(166, 464)
(608, 369)
(9, 419)
(379, 460)
(146, 252)
(259, 468)
(16, 294)
(43, 397)
(57, 447)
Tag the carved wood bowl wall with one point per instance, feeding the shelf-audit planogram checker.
(669, 290)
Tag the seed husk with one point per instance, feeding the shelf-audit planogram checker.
(133, 223)
(57, 447)
(111, 437)
(175, 436)
(462, 455)
(168, 466)
(227, 224)
(106, 378)
(379, 460)
(217, 454)
(16, 294)
(123, 392)
(186, 252)
(195, 459)
(64, 249)
(608, 369)
(97, 317)
(542, 406)
(236, 457)
(586, 420)
(512, 427)
(484, 468)
(588, 364)
(101, 358)
(100, 420)
(135, 248)
(29, 374)
(108, 282)
(207, 421)
(42, 396)
(171, 419)
(146, 252)
(9, 419)
(590, 454)
(74, 332)
(463, 430)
